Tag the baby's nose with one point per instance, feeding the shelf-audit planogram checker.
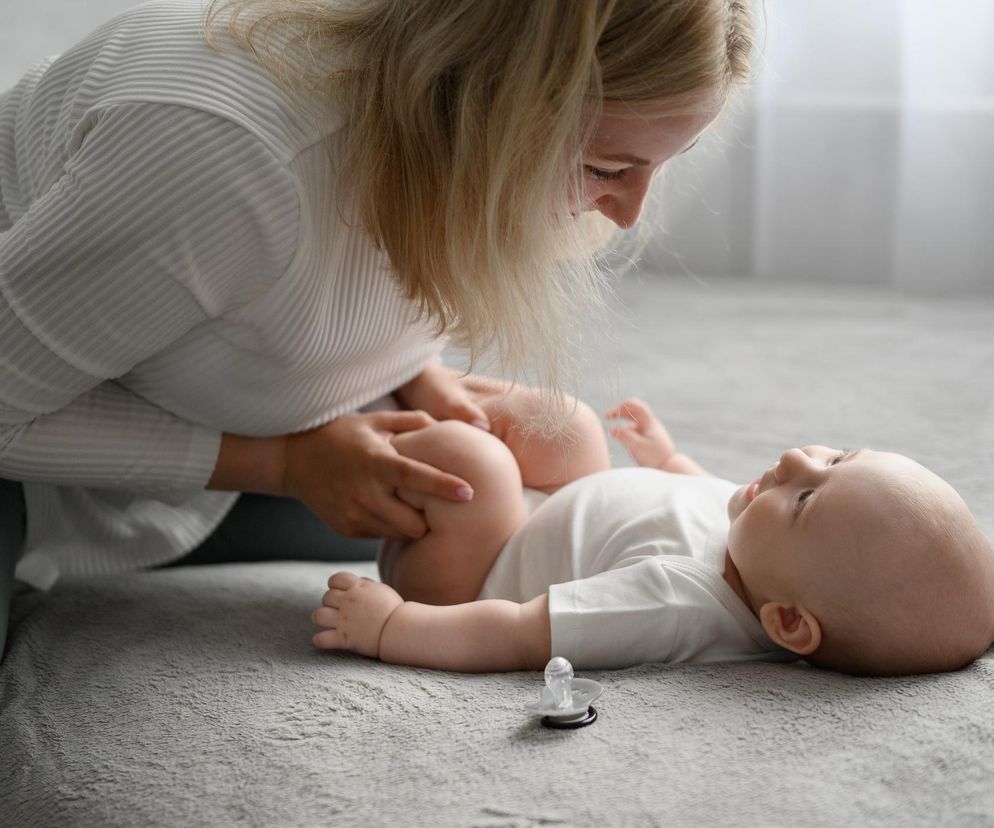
(792, 462)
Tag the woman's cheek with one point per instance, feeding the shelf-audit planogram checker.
(592, 190)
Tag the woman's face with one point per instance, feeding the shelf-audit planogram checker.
(630, 145)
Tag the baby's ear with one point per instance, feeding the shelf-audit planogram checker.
(794, 628)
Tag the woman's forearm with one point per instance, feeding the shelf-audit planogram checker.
(107, 438)
(478, 637)
(250, 464)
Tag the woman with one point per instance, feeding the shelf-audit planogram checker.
(216, 250)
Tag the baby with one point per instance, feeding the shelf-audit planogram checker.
(858, 561)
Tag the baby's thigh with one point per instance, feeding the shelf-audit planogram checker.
(483, 461)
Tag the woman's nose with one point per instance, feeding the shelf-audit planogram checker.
(623, 203)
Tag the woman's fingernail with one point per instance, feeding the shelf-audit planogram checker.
(464, 493)
(481, 424)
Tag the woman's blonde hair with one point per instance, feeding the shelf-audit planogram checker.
(468, 120)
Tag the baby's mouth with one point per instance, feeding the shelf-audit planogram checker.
(767, 479)
(752, 490)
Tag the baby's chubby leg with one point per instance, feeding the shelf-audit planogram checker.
(450, 563)
(547, 462)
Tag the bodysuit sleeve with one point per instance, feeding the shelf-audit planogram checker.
(163, 218)
(652, 609)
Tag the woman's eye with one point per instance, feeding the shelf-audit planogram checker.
(605, 175)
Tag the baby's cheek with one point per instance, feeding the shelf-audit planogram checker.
(742, 543)
(736, 503)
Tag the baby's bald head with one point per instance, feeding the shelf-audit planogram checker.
(912, 590)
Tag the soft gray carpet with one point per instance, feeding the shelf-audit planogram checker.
(193, 697)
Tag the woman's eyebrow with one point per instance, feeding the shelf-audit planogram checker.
(634, 160)
(624, 157)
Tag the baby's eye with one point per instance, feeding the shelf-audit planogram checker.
(842, 455)
(801, 498)
(605, 175)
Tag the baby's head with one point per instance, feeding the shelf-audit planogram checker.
(863, 562)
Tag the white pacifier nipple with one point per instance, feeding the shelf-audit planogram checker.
(565, 700)
(559, 678)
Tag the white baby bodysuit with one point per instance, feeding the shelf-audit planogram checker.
(632, 559)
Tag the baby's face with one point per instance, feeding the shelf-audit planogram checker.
(815, 512)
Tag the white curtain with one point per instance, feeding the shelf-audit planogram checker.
(864, 153)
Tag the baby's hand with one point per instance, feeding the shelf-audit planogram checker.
(647, 440)
(354, 611)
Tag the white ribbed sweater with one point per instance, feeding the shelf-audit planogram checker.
(175, 262)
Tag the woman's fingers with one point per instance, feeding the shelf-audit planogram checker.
(420, 477)
(399, 521)
(377, 512)
(398, 421)
(348, 472)
(469, 412)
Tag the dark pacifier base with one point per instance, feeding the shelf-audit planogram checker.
(571, 724)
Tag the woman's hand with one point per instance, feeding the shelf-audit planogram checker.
(438, 391)
(348, 471)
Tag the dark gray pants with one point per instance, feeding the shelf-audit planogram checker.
(258, 528)
(11, 541)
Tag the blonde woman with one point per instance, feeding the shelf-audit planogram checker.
(224, 235)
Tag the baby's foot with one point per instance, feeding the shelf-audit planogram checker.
(354, 611)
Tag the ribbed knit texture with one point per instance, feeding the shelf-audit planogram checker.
(178, 258)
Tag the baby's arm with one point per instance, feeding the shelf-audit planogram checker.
(370, 618)
(648, 441)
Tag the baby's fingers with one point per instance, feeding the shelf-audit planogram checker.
(325, 617)
(332, 598)
(632, 409)
(626, 435)
(343, 580)
(329, 640)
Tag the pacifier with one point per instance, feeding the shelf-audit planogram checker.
(565, 702)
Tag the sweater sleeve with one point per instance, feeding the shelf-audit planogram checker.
(164, 217)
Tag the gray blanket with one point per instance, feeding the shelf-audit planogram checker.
(193, 696)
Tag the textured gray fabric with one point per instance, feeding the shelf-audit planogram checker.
(192, 696)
